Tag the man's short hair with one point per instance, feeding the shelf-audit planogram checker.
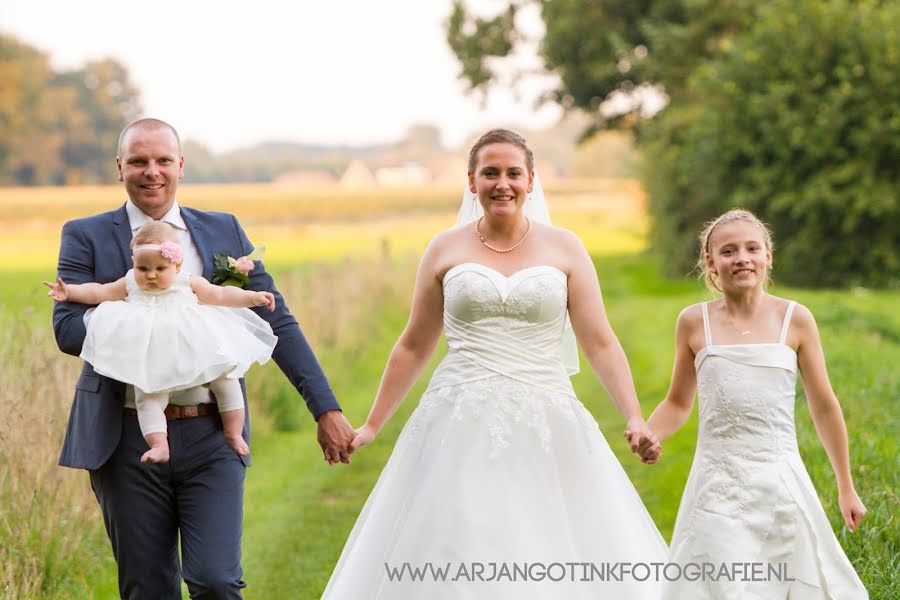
(147, 124)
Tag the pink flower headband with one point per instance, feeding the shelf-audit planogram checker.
(169, 250)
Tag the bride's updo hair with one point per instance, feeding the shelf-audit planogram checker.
(154, 232)
(500, 136)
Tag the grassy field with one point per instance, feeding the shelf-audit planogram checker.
(298, 511)
(302, 225)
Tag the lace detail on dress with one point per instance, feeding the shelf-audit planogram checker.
(527, 301)
(748, 496)
(500, 406)
(730, 410)
(510, 326)
(499, 460)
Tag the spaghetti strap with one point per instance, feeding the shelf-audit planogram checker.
(787, 322)
(706, 330)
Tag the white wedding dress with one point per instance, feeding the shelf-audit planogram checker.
(500, 466)
(748, 498)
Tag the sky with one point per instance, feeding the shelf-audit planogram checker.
(230, 74)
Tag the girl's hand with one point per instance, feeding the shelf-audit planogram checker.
(852, 509)
(57, 290)
(642, 441)
(264, 299)
(364, 435)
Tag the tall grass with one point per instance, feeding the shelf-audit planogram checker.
(48, 524)
(339, 307)
(52, 542)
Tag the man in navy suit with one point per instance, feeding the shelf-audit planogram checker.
(198, 494)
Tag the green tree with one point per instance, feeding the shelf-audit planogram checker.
(59, 128)
(103, 101)
(598, 48)
(798, 121)
(29, 146)
(788, 108)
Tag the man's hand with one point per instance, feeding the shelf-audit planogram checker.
(335, 435)
(57, 290)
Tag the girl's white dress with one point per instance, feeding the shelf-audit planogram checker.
(749, 498)
(501, 484)
(167, 341)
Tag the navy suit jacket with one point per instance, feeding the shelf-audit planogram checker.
(97, 249)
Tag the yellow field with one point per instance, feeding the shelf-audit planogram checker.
(320, 224)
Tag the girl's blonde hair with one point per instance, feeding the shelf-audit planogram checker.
(736, 214)
(154, 232)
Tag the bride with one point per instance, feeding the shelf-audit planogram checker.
(501, 484)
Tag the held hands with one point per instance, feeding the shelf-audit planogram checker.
(364, 435)
(57, 290)
(335, 435)
(642, 441)
(852, 509)
(264, 299)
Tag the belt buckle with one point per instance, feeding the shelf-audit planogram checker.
(188, 412)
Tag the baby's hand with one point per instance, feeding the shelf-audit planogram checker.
(264, 299)
(57, 290)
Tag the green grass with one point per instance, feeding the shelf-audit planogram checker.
(306, 507)
(298, 511)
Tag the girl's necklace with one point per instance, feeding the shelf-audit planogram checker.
(731, 324)
(740, 331)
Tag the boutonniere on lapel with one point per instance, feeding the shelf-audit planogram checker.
(228, 270)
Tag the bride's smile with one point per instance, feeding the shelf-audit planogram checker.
(500, 461)
(502, 180)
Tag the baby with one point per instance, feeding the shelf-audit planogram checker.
(162, 329)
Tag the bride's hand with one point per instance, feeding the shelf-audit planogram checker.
(642, 441)
(364, 435)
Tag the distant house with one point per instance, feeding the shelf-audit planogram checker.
(357, 175)
(550, 171)
(311, 177)
(450, 170)
(407, 174)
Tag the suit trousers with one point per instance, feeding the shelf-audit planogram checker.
(198, 495)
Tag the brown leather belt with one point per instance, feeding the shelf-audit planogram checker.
(175, 412)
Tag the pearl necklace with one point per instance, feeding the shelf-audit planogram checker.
(502, 250)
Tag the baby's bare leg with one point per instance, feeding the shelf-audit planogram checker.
(152, 420)
(231, 408)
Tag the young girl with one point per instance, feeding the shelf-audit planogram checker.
(748, 498)
(151, 331)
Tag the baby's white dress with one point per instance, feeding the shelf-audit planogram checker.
(167, 341)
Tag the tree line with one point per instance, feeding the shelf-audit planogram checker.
(59, 127)
(790, 108)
